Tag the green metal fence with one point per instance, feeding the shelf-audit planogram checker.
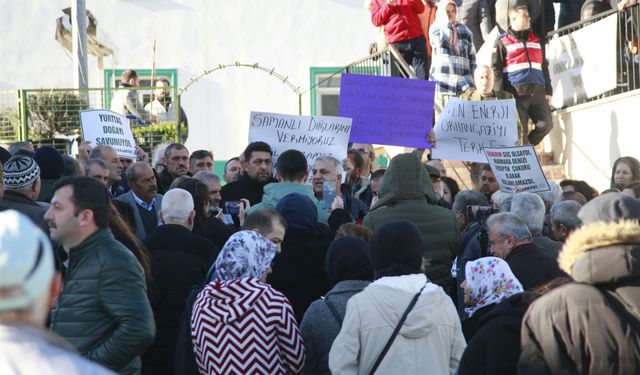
(51, 116)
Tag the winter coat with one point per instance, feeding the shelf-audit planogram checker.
(298, 270)
(245, 327)
(577, 328)
(125, 101)
(25, 205)
(103, 309)
(319, 326)
(407, 193)
(273, 192)
(400, 20)
(546, 245)
(430, 338)
(243, 187)
(179, 260)
(495, 347)
(531, 267)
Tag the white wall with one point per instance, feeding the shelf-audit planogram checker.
(591, 136)
(194, 35)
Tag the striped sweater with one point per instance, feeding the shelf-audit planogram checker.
(245, 327)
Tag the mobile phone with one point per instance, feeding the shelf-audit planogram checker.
(328, 193)
(232, 207)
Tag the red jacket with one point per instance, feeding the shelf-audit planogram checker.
(400, 19)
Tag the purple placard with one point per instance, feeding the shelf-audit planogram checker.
(388, 110)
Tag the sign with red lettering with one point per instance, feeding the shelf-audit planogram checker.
(517, 169)
(465, 128)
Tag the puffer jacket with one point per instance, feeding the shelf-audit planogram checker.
(578, 328)
(430, 338)
(406, 193)
(103, 309)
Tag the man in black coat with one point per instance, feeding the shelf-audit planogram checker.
(257, 166)
(179, 260)
(511, 240)
(298, 270)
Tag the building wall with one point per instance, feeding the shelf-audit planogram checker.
(193, 35)
(589, 138)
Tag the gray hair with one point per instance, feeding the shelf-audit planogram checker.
(566, 212)
(336, 163)
(158, 153)
(509, 224)
(530, 208)
(500, 198)
(549, 197)
(177, 205)
(89, 163)
(468, 198)
(17, 146)
(130, 173)
(206, 176)
(96, 152)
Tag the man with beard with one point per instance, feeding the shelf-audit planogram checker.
(488, 182)
(257, 165)
(142, 198)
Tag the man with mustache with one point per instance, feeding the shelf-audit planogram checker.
(176, 164)
(257, 166)
(143, 198)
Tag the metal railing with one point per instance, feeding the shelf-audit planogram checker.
(388, 62)
(44, 115)
(627, 51)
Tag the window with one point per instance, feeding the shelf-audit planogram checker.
(325, 94)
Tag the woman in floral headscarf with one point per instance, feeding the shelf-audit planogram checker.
(496, 304)
(240, 324)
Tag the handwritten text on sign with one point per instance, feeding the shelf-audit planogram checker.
(517, 167)
(387, 110)
(103, 127)
(314, 136)
(465, 128)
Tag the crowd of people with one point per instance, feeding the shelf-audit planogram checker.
(160, 266)
(111, 264)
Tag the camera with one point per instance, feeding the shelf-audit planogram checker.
(479, 214)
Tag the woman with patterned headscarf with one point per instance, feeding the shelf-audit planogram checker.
(496, 305)
(240, 324)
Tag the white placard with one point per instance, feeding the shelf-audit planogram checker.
(517, 167)
(103, 127)
(465, 128)
(485, 53)
(582, 64)
(314, 136)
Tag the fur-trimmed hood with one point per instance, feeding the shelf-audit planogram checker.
(603, 252)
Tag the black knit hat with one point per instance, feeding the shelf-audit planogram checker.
(50, 162)
(20, 172)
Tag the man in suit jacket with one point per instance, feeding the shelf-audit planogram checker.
(143, 198)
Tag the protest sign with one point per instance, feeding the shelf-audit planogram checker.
(387, 110)
(314, 136)
(578, 70)
(517, 167)
(103, 127)
(465, 128)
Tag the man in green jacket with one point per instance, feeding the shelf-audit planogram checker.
(103, 309)
(406, 193)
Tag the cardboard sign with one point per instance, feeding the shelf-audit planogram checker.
(314, 136)
(103, 127)
(388, 110)
(465, 128)
(579, 70)
(517, 167)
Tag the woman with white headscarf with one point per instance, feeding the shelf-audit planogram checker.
(240, 324)
(496, 304)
